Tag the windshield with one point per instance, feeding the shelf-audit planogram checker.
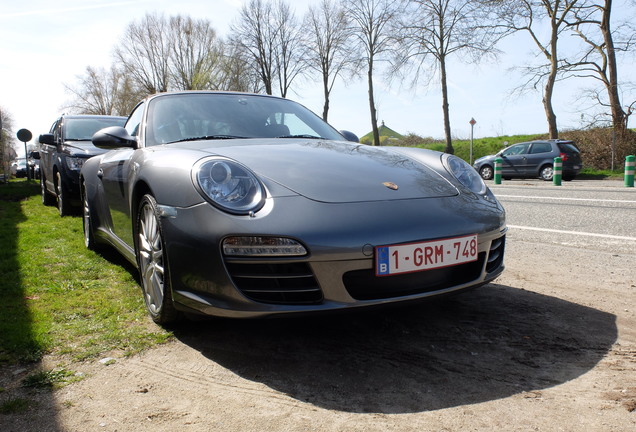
(82, 129)
(186, 117)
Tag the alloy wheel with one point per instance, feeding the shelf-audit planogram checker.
(151, 265)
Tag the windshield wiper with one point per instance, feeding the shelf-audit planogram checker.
(300, 136)
(208, 137)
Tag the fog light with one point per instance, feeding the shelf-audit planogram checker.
(262, 246)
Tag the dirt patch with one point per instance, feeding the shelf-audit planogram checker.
(550, 346)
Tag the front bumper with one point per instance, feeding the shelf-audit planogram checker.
(338, 272)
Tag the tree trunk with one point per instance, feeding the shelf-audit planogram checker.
(549, 86)
(374, 120)
(325, 87)
(549, 110)
(445, 107)
(618, 115)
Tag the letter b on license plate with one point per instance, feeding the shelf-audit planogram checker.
(413, 257)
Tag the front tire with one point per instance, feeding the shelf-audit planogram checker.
(63, 204)
(47, 198)
(546, 172)
(153, 265)
(486, 172)
(87, 222)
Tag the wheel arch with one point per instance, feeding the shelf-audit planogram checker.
(141, 188)
(545, 165)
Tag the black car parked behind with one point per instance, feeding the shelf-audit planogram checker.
(62, 153)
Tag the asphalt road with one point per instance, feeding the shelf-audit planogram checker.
(592, 214)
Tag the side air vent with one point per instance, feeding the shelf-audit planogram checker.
(495, 255)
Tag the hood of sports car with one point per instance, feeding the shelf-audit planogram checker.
(338, 172)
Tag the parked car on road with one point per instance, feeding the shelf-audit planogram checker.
(532, 159)
(62, 153)
(19, 168)
(244, 205)
(34, 166)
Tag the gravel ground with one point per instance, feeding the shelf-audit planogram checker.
(550, 346)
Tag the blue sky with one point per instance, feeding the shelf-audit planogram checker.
(45, 46)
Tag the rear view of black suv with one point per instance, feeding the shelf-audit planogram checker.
(533, 159)
(62, 153)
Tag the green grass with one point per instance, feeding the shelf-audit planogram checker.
(15, 406)
(594, 174)
(57, 297)
(50, 378)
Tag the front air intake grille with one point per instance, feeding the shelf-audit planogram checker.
(278, 283)
(496, 254)
(364, 285)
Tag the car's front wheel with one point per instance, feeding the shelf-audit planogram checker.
(47, 198)
(63, 204)
(87, 222)
(486, 172)
(152, 263)
(546, 172)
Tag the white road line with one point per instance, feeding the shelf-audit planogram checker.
(607, 236)
(566, 199)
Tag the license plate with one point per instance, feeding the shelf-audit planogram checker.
(414, 257)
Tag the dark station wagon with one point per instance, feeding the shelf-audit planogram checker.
(532, 159)
(62, 154)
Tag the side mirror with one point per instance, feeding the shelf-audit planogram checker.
(47, 139)
(113, 137)
(35, 155)
(349, 136)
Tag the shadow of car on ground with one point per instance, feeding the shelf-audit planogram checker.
(490, 343)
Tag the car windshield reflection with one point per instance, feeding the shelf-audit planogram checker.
(174, 118)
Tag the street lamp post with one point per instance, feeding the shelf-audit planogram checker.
(25, 136)
(472, 126)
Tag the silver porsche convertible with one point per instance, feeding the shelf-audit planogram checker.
(244, 205)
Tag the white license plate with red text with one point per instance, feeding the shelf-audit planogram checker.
(413, 257)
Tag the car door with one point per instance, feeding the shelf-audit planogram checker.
(47, 155)
(115, 171)
(538, 155)
(515, 160)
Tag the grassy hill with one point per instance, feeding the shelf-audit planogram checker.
(387, 136)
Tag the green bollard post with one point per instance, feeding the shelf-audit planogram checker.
(629, 171)
(557, 171)
(497, 169)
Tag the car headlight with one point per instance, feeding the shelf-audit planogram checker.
(465, 174)
(229, 185)
(74, 163)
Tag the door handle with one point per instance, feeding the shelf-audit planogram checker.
(100, 173)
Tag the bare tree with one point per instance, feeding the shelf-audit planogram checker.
(196, 54)
(270, 34)
(7, 152)
(372, 20)
(105, 92)
(144, 53)
(599, 59)
(238, 73)
(437, 29)
(255, 35)
(530, 16)
(328, 45)
(288, 46)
